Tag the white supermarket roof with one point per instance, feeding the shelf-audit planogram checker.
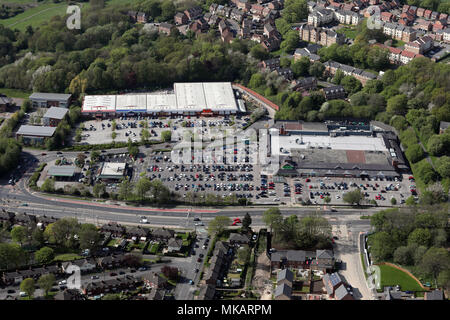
(187, 97)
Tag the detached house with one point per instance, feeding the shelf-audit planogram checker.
(174, 245)
(162, 234)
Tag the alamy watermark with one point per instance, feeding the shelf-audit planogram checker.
(207, 145)
(73, 22)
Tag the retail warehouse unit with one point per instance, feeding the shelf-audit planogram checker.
(336, 149)
(188, 99)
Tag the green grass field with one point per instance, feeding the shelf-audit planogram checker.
(348, 31)
(391, 276)
(67, 257)
(14, 93)
(35, 16)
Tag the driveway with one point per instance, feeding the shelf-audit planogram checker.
(346, 250)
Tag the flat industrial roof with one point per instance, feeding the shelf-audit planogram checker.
(187, 97)
(131, 102)
(56, 113)
(161, 102)
(113, 169)
(61, 171)
(104, 103)
(40, 131)
(326, 142)
(49, 96)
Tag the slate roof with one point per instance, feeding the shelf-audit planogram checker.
(434, 295)
(237, 237)
(207, 292)
(285, 274)
(340, 292)
(283, 289)
(324, 254)
(56, 113)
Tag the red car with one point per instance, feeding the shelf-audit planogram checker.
(236, 221)
(308, 180)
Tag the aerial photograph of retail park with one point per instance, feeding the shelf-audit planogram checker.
(224, 150)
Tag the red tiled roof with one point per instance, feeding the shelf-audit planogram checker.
(408, 54)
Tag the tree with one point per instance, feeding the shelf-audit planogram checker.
(145, 135)
(258, 52)
(353, 197)
(290, 42)
(397, 105)
(403, 256)
(382, 246)
(44, 255)
(48, 185)
(166, 135)
(317, 69)
(114, 135)
(37, 237)
(19, 234)
(327, 199)
(95, 155)
(295, 10)
(218, 225)
(415, 153)
(272, 217)
(435, 261)
(62, 232)
(247, 221)
(28, 286)
(89, 236)
(99, 189)
(393, 201)
(351, 84)
(300, 67)
(143, 186)
(420, 236)
(443, 167)
(133, 151)
(125, 189)
(11, 255)
(46, 282)
(170, 272)
(410, 201)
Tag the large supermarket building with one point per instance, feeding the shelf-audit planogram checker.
(189, 98)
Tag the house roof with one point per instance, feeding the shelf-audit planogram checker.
(165, 233)
(207, 292)
(341, 292)
(324, 254)
(5, 100)
(154, 278)
(285, 274)
(175, 242)
(283, 289)
(237, 237)
(434, 295)
(68, 294)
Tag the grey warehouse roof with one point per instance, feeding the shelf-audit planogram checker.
(41, 131)
(56, 113)
(61, 171)
(50, 96)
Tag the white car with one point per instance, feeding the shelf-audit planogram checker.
(144, 220)
(62, 282)
(276, 199)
